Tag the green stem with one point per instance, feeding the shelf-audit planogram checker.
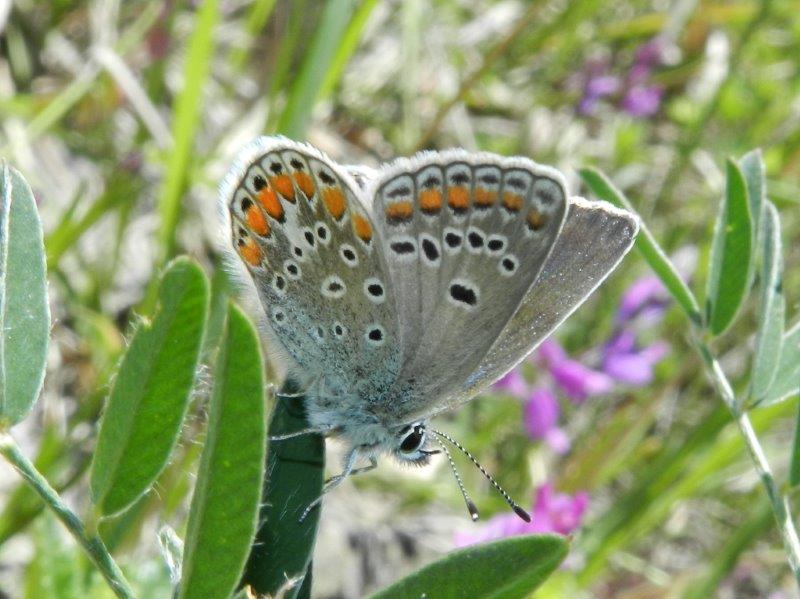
(780, 508)
(92, 544)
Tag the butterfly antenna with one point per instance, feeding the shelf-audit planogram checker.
(471, 507)
(511, 503)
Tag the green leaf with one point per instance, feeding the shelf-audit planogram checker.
(731, 254)
(646, 243)
(151, 392)
(752, 166)
(787, 376)
(24, 312)
(224, 511)
(316, 65)
(283, 545)
(794, 466)
(504, 569)
(769, 336)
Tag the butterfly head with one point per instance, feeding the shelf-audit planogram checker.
(410, 443)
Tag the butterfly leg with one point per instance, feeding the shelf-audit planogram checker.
(335, 481)
(319, 430)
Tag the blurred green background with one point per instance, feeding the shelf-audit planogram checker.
(123, 116)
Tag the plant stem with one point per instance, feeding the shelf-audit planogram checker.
(92, 544)
(780, 508)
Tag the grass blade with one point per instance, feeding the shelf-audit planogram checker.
(509, 568)
(223, 516)
(646, 244)
(348, 45)
(186, 119)
(316, 64)
(731, 254)
(284, 546)
(151, 392)
(772, 308)
(24, 311)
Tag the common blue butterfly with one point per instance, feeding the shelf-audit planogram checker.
(395, 294)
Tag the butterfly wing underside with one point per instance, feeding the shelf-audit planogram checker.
(299, 226)
(594, 239)
(465, 236)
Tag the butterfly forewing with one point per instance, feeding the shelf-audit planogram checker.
(309, 244)
(465, 236)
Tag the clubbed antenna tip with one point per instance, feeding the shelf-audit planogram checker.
(473, 511)
(521, 513)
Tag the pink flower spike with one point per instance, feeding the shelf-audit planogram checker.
(551, 352)
(513, 383)
(647, 292)
(541, 413)
(579, 382)
(630, 365)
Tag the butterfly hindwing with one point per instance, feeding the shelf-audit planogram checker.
(465, 236)
(594, 239)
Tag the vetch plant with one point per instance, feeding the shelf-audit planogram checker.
(145, 409)
(746, 241)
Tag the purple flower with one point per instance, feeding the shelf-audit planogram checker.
(627, 363)
(597, 87)
(642, 100)
(513, 383)
(558, 512)
(645, 298)
(541, 419)
(552, 513)
(650, 54)
(576, 380)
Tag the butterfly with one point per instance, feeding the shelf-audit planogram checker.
(397, 293)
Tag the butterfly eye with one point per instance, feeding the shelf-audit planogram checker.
(413, 439)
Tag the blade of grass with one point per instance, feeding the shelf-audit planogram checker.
(81, 85)
(186, 119)
(308, 83)
(646, 244)
(69, 231)
(348, 45)
(256, 20)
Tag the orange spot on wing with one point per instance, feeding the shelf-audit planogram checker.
(536, 220)
(512, 201)
(398, 212)
(362, 228)
(458, 198)
(334, 201)
(305, 183)
(269, 200)
(256, 221)
(485, 198)
(250, 252)
(430, 201)
(283, 184)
